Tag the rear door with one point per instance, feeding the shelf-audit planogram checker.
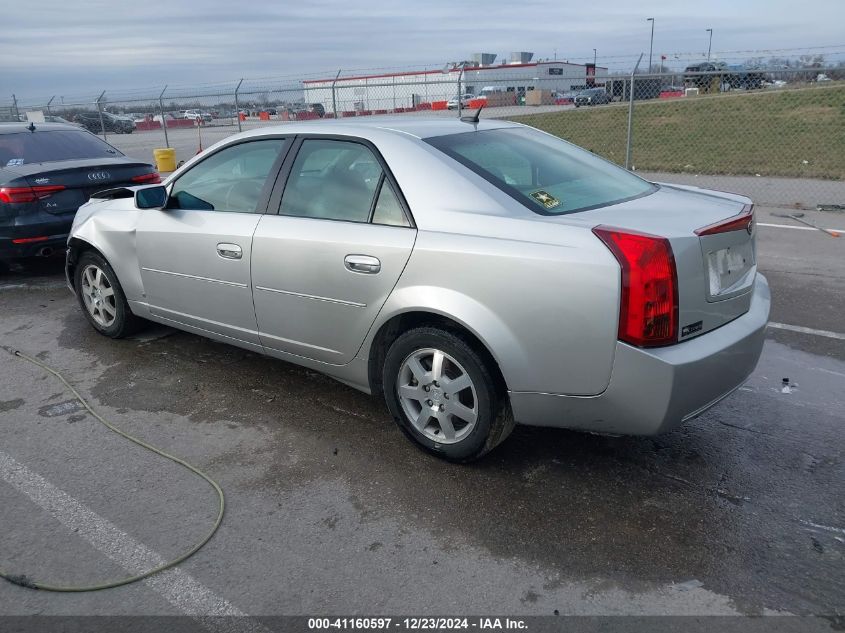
(330, 250)
(195, 254)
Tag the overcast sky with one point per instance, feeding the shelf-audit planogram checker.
(74, 48)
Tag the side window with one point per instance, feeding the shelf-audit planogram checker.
(332, 180)
(388, 210)
(230, 180)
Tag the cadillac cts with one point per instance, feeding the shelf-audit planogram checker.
(477, 275)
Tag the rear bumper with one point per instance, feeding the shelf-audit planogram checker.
(16, 239)
(653, 391)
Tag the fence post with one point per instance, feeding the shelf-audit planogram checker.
(334, 94)
(163, 120)
(100, 111)
(460, 94)
(631, 116)
(15, 106)
(237, 105)
(48, 104)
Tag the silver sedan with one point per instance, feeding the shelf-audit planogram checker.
(474, 274)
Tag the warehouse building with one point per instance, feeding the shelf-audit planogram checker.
(503, 84)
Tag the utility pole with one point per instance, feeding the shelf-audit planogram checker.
(651, 43)
(594, 57)
(710, 43)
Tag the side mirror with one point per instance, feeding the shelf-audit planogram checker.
(151, 197)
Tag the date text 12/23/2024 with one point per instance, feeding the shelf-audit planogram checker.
(417, 624)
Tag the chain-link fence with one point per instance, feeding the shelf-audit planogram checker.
(777, 135)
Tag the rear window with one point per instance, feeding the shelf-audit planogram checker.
(544, 173)
(52, 145)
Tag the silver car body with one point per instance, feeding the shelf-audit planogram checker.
(541, 293)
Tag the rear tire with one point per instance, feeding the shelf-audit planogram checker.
(444, 396)
(102, 299)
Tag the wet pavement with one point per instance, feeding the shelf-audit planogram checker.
(330, 509)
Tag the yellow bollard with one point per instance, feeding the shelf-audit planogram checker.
(165, 159)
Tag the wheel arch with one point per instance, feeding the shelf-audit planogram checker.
(75, 248)
(113, 239)
(411, 318)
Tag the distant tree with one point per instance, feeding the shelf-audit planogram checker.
(811, 61)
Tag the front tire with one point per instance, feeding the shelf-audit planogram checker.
(102, 299)
(444, 396)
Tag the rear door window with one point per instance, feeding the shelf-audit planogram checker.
(388, 208)
(332, 180)
(52, 145)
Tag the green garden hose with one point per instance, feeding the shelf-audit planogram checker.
(25, 581)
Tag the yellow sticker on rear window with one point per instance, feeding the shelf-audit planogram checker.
(545, 198)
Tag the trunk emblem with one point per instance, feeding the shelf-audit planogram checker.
(99, 176)
(42, 181)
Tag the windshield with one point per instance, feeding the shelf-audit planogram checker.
(544, 173)
(52, 145)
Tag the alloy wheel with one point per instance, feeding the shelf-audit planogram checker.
(437, 395)
(98, 296)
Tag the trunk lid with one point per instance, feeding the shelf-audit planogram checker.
(716, 271)
(80, 179)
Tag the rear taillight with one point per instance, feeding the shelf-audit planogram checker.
(31, 240)
(744, 221)
(648, 314)
(147, 179)
(17, 195)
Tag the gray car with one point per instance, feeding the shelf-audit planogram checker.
(591, 96)
(474, 274)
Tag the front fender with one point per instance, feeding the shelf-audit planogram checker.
(111, 230)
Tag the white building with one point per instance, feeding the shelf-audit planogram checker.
(392, 92)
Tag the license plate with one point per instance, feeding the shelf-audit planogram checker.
(729, 269)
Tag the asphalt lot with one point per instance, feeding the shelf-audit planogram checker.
(331, 510)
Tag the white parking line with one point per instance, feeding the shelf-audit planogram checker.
(176, 586)
(807, 330)
(797, 228)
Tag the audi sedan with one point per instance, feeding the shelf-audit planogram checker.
(474, 274)
(47, 171)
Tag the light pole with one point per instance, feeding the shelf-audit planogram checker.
(594, 57)
(709, 44)
(651, 42)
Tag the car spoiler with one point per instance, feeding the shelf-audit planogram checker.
(115, 193)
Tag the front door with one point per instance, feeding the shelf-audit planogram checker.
(195, 253)
(325, 264)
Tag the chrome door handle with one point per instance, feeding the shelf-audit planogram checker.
(229, 251)
(362, 264)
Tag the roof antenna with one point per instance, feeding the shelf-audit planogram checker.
(31, 126)
(473, 118)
